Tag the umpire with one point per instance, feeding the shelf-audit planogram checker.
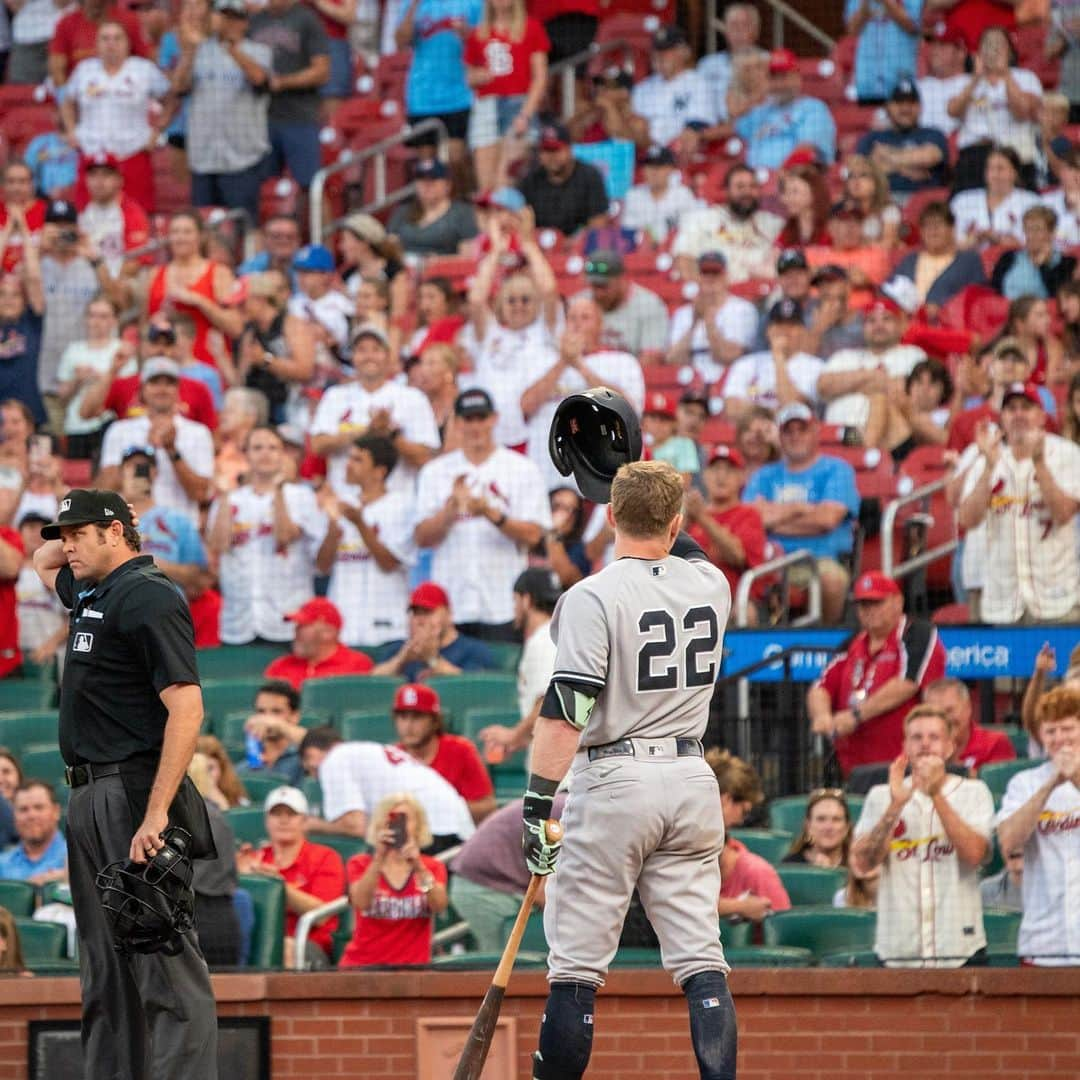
(130, 712)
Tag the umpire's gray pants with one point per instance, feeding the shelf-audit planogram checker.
(144, 1017)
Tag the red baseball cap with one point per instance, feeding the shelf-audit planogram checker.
(415, 697)
(1025, 390)
(316, 610)
(728, 454)
(659, 404)
(875, 586)
(883, 302)
(943, 32)
(428, 596)
(782, 61)
(103, 160)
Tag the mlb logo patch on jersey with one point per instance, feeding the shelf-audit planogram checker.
(711, 1003)
(83, 642)
(658, 571)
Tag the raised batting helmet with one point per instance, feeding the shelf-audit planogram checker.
(592, 435)
(149, 906)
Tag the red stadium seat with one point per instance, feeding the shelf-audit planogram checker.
(76, 472)
(987, 314)
(457, 268)
(753, 289)
(664, 377)
(23, 122)
(843, 55)
(391, 75)
(925, 465)
(951, 615)
(914, 206)
(664, 10)
(718, 432)
(874, 475)
(989, 257)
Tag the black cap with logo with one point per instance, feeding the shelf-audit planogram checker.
(542, 585)
(87, 506)
(475, 402)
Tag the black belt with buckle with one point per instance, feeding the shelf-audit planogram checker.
(625, 748)
(77, 775)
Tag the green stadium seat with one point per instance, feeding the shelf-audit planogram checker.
(56, 892)
(807, 885)
(636, 958)
(43, 762)
(481, 690)
(1002, 957)
(258, 786)
(224, 696)
(862, 958)
(768, 843)
(41, 940)
(52, 966)
(1001, 927)
(533, 940)
(736, 935)
(336, 696)
(345, 846)
(17, 695)
(769, 956)
(268, 934)
(1017, 736)
(17, 897)
(313, 791)
(248, 824)
(822, 930)
(507, 655)
(237, 661)
(22, 729)
(997, 776)
(367, 725)
(487, 961)
(787, 814)
(509, 775)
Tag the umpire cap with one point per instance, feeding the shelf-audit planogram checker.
(592, 435)
(88, 506)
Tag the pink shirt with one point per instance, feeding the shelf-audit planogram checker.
(753, 874)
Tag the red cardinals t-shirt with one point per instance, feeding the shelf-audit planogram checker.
(196, 401)
(10, 657)
(35, 218)
(507, 60)
(295, 669)
(458, 762)
(396, 928)
(985, 747)
(317, 870)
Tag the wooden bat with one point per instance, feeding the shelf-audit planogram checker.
(475, 1052)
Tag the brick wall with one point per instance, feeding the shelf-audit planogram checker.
(794, 1024)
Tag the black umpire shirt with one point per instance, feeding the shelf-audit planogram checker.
(131, 636)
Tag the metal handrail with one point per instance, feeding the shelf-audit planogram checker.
(565, 70)
(350, 159)
(888, 526)
(781, 10)
(802, 557)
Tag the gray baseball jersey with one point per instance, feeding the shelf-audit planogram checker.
(649, 636)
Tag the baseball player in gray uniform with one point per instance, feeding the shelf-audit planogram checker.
(638, 650)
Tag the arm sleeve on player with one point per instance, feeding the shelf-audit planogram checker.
(571, 701)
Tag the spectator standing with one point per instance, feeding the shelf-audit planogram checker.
(1038, 816)
(75, 37)
(184, 448)
(112, 220)
(729, 532)
(656, 207)
(18, 201)
(368, 547)
(938, 269)
(929, 907)
(337, 18)
(433, 223)
(506, 66)
(742, 29)
(433, 645)
(276, 722)
(317, 651)
(374, 404)
(715, 329)
(224, 76)
(887, 33)
(635, 318)
(993, 214)
(418, 721)
(825, 838)
(301, 66)
(740, 228)
(787, 120)
(565, 194)
(396, 891)
(912, 154)
(863, 696)
(312, 873)
(946, 66)
(22, 304)
(481, 508)
(1027, 488)
(808, 500)
(1037, 269)
(675, 97)
(266, 534)
(106, 108)
(41, 618)
(974, 745)
(437, 86)
(40, 856)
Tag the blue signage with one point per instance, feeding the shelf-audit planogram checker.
(972, 652)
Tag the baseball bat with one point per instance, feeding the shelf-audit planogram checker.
(477, 1045)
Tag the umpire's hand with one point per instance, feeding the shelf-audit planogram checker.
(147, 842)
(540, 852)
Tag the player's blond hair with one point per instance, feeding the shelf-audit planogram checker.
(1060, 704)
(645, 497)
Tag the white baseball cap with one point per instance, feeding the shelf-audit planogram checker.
(288, 796)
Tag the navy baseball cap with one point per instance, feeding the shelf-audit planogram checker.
(475, 402)
(668, 37)
(785, 310)
(905, 90)
(429, 169)
(542, 585)
(61, 212)
(791, 259)
(658, 155)
(87, 506)
(313, 259)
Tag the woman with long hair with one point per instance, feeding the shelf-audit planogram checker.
(223, 787)
(368, 251)
(867, 187)
(11, 956)
(506, 60)
(1029, 322)
(190, 282)
(825, 839)
(435, 373)
(436, 300)
(805, 196)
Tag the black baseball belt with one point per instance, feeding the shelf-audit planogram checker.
(625, 748)
(77, 775)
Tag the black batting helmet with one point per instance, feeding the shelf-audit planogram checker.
(592, 435)
(151, 905)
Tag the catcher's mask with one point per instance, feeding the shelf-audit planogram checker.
(592, 435)
(149, 906)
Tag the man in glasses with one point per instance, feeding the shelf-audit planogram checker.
(281, 235)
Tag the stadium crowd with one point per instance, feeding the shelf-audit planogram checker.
(820, 283)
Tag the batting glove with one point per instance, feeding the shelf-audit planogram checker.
(540, 853)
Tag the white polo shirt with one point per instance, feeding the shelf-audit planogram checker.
(853, 410)
(359, 775)
(973, 213)
(372, 601)
(929, 911)
(1050, 927)
(753, 377)
(194, 442)
(1032, 563)
(737, 321)
(260, 583)
(348, 407)
(114, 109)
(476, 563)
